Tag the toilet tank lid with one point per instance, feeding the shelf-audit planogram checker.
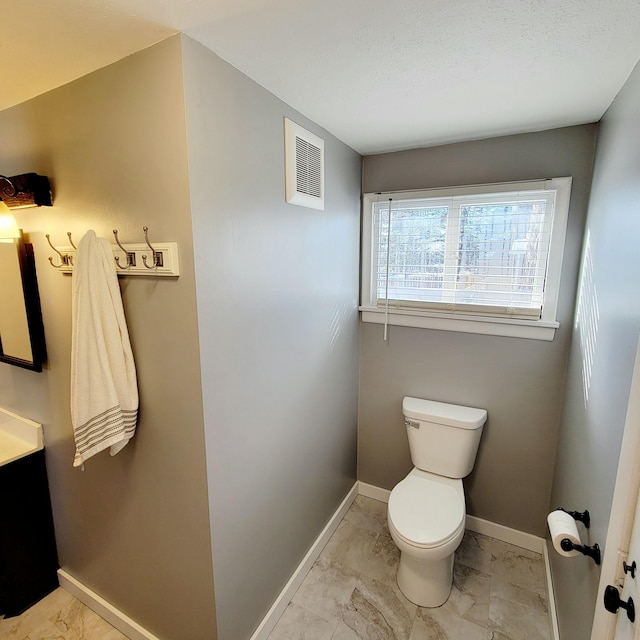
(443, 413)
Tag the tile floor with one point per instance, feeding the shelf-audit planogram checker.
(499, 590)
(499, 593)
(59, 616)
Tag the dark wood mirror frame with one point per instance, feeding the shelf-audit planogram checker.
(33, 310)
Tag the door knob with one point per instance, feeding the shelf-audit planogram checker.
(612, 603)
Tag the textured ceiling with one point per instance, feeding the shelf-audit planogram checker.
(380, 75)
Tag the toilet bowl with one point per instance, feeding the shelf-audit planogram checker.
(426, 517)
(426, 512)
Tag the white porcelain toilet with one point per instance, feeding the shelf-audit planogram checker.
(426, 513)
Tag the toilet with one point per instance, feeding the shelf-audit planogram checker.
(426, 512)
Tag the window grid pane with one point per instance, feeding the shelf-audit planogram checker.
(499, 255)
(417, 254)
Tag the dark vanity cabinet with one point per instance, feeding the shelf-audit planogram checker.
(28, 558)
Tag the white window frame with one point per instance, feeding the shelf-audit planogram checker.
(538, 329)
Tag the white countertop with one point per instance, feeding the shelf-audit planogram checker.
(18, 437)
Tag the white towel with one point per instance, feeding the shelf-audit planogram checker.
(104, 392)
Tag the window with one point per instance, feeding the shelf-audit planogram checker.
(481, 259)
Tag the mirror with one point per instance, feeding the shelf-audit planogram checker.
(21, 329)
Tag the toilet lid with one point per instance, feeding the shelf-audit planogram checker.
(425, 512)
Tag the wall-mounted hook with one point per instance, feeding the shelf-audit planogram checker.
(157, 255)
(73, 245)
(65, 259)
(130, 256)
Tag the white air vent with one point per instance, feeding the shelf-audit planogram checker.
(304, 166)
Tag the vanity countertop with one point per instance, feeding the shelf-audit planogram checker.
(18, 437)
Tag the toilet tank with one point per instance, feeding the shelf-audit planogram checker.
(443, 438)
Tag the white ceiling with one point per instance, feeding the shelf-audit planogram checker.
(381, 75)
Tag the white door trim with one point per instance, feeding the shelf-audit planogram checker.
(622, 510)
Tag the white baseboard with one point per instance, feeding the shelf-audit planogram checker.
(104, 609)
(506, 534)
(134, 631)
(553, 614)
(286, 595)
(371, 491)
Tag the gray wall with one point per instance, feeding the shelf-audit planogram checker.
(277, 289)
(135, 527)
(518, 381)
(595, 404)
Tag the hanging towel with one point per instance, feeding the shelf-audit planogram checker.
(104, 391)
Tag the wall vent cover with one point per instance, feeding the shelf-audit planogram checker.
(304, 166)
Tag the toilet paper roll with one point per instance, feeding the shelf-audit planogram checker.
(561, 526)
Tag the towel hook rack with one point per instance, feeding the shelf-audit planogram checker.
(157, 255)
(64, 258)
(137, 260)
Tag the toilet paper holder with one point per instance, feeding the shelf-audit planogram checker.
(568, 545)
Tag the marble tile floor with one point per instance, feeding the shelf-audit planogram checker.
(59, 616)
(499, 593)
(350, 593)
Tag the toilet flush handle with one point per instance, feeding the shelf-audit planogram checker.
(411, 423)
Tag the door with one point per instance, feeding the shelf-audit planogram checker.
(622, 543)
(624, 604)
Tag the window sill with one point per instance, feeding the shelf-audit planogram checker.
(529, 329)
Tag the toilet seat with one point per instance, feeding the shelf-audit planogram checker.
(427, 510)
